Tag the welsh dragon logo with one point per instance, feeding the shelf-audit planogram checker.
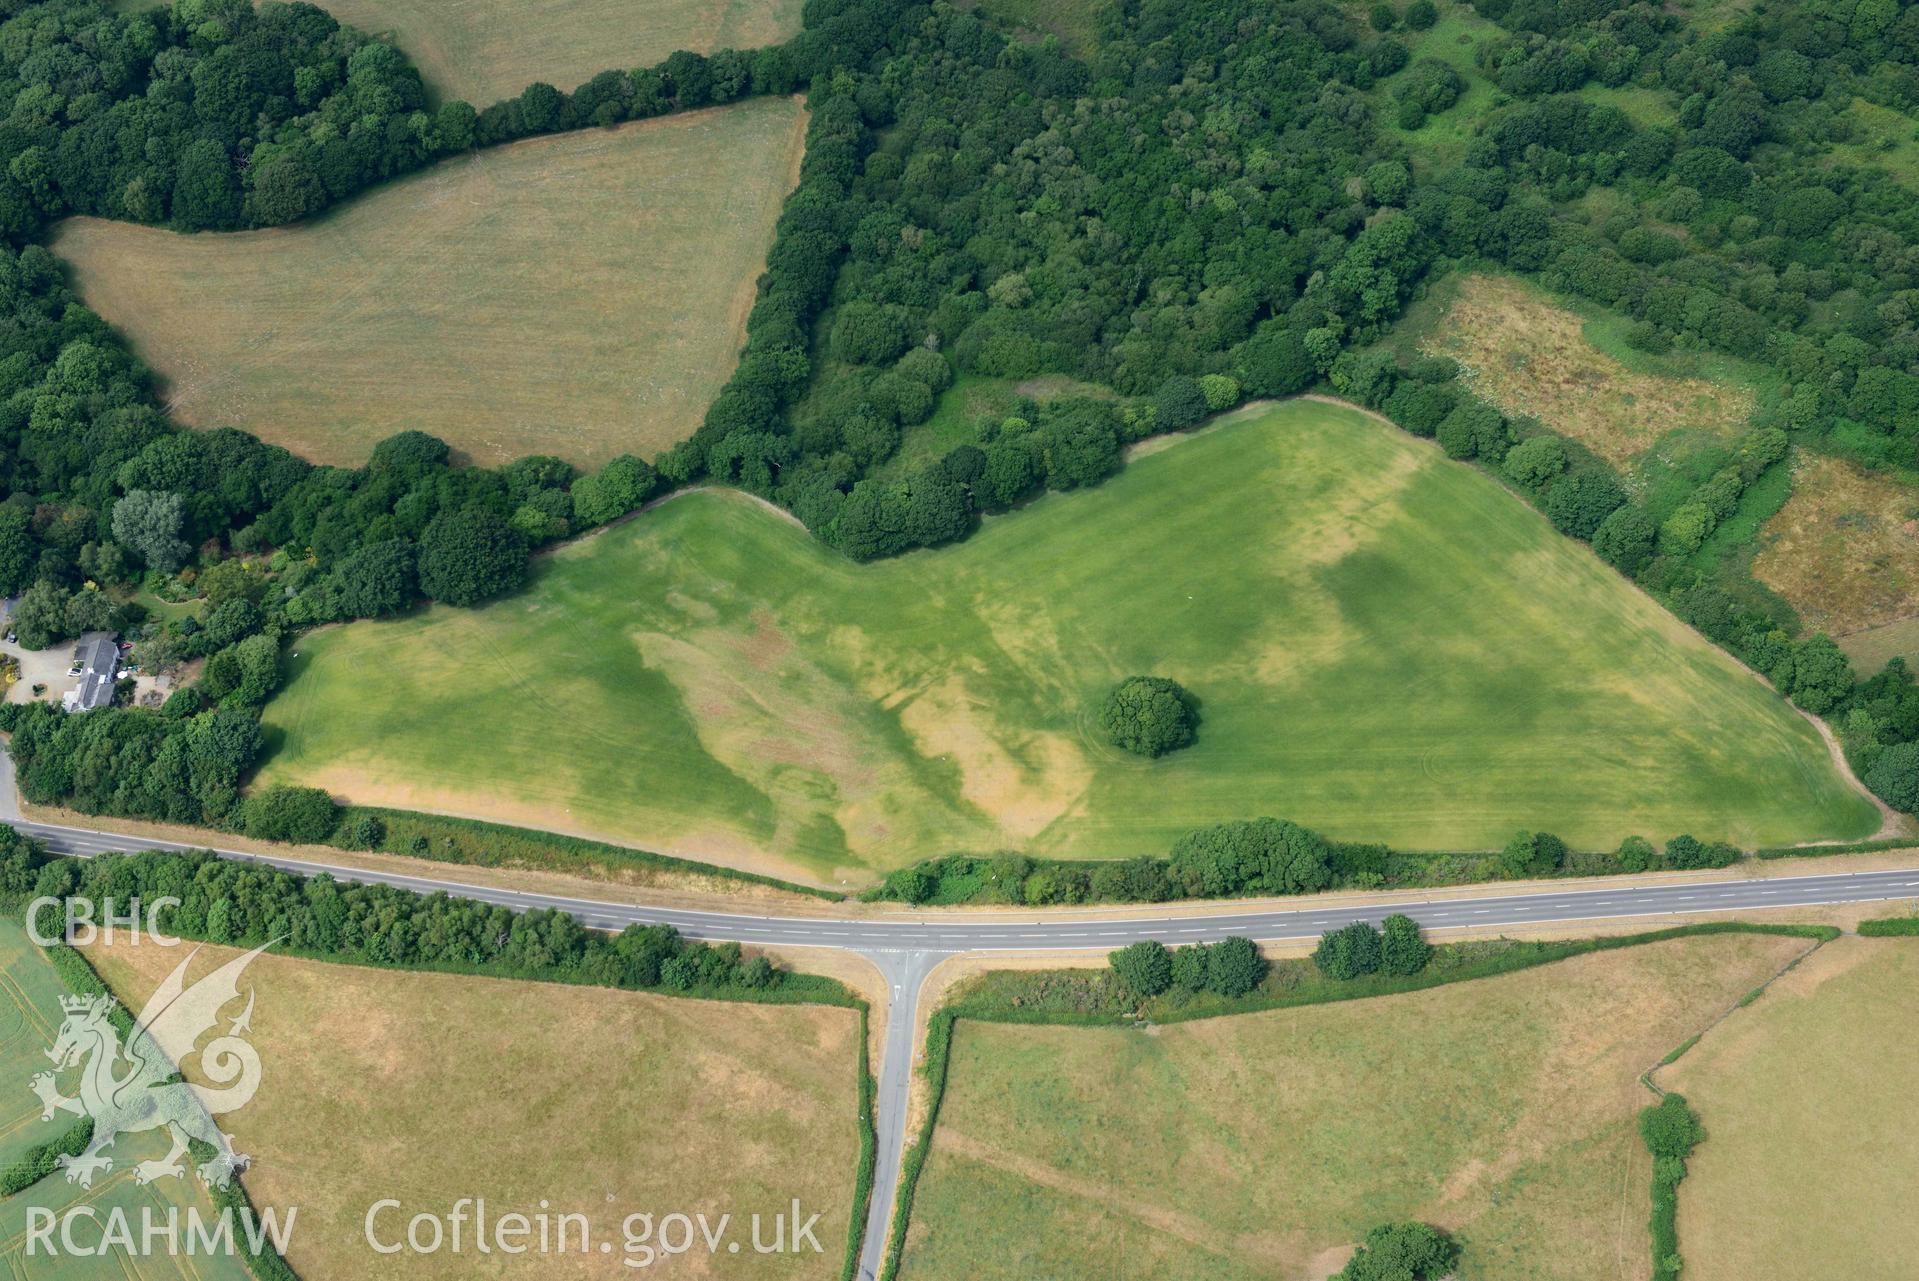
(133, 1087)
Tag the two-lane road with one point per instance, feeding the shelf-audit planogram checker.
(1083, 930)
(906, 946)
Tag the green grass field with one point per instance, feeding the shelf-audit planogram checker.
(485, 50)
(29, 1017)
(1454, 40)
(973, 400)
(1873, 648)
(1808, 1165)
(582, 295)
(1263, 1145)
(1075, 23)
(1386, 645)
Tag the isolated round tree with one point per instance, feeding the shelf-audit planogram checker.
(1149, 716)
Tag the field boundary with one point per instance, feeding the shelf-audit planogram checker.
(869, 1153)
(567, 849)
(1828, 851)
(1524, 956)
(1663, 1223)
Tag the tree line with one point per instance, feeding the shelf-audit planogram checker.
(248, 904)
(1270, 856)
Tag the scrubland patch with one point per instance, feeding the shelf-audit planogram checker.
(1528, 355)
(1845, 547)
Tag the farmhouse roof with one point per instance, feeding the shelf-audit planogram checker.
(100, 659)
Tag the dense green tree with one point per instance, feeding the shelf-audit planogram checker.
(1534, 462)
(302, 814)
(1687, 853)
(1403, 949)
(206, 191)
(149, 522)
(1350, 951)
(39, 617)
(1532, 854)
(1234, 967)
(1273, 362)
(1148, 716)
(1079, 443)
(1180, 403)
(284, 188)
(1670, 1127)
(17, 550)
(1821, 675)
(379, 579)
(1263, 856)
(1146, 967)
(618, 487)
(1894, 776)
(867, 333)
(1190, 968)
(89, 610)
(1578, 502)
(470, 555)
(1625, 538)
(1402, 1252)
(1474, 429)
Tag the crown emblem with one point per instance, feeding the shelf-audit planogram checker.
(80, 1004)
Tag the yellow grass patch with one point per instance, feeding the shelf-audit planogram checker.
(582, 295)
(1808, 1165)
(1263, 1145)
(430, 1087)
(1845, 548)
(485, 50)
(1527, 355)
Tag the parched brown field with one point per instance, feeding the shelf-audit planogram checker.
(1263, 1145)
(1845, 548)
(485, 50)
(582, 295)
(426, 1088)
(1807, 1096)
(1528, 355)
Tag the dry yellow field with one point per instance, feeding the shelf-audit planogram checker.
(426, 1088)
(1528, 355)
(1263, 1145)
(582, 295)
(485, 50)
(1845, 548)
(1807, 1096)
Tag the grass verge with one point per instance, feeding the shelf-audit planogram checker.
(476, 843)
